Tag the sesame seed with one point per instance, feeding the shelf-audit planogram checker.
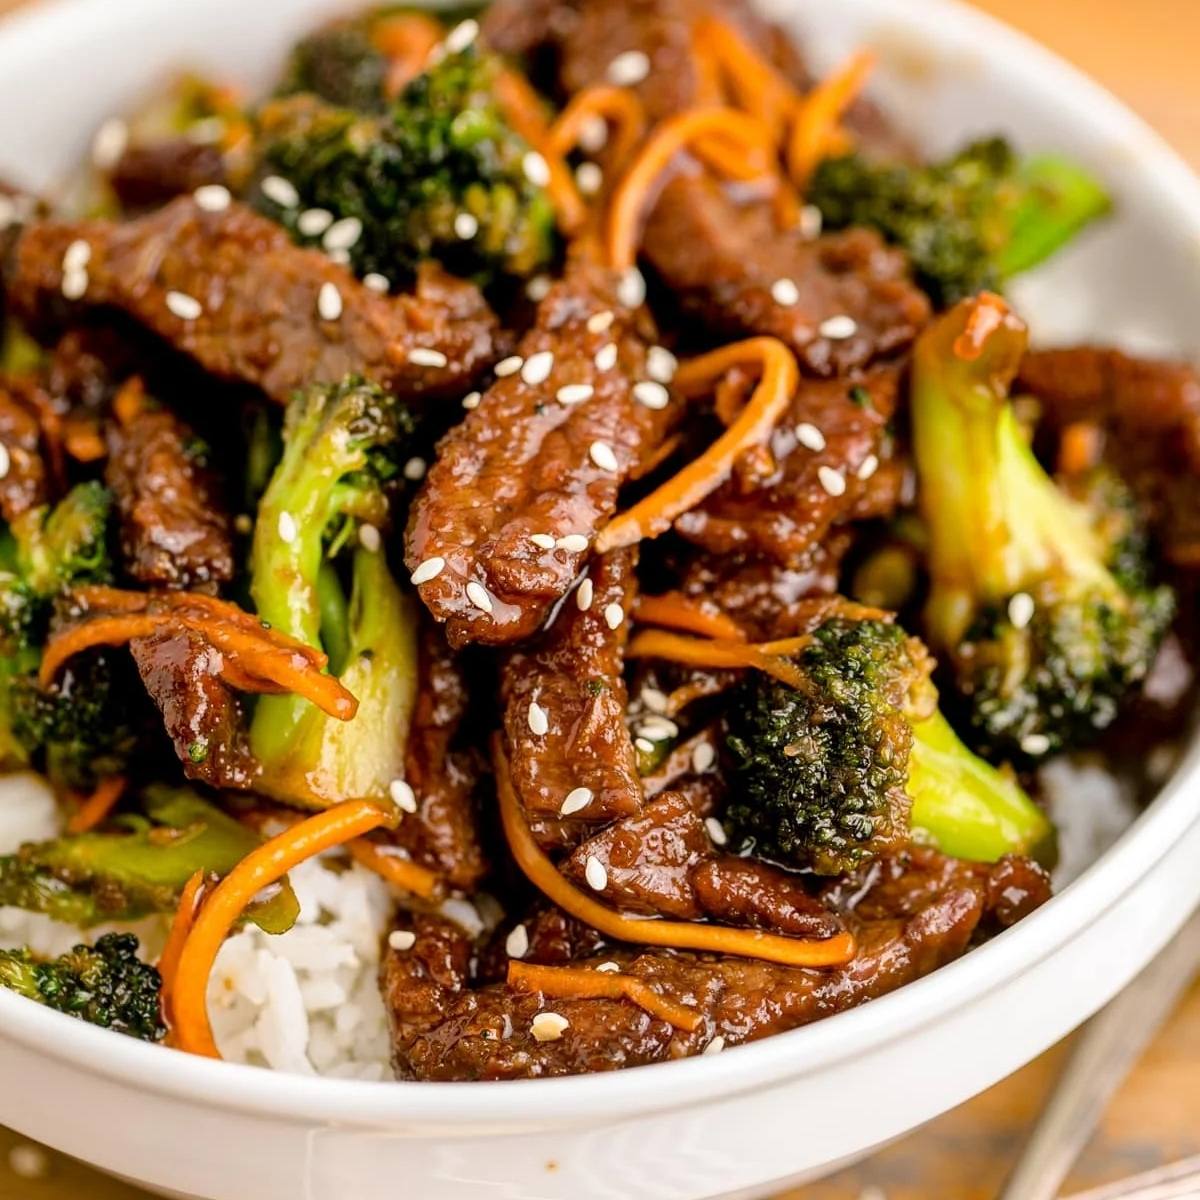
(658, 728)
(655, 700)
(584, 594)
(834, 482)
(661, 364)
(516, 945)
(538, 288)
(631, 289)
(5, 461)
(402, 795)
(614, 614)
(576, 800)
(461, 36)
(645, 745)
(703, 757)
(415, 468)
(1020, 610)
(715, 1046)
(1035, 743)
(543, 541)
(478, 596)
(286, 526)
(471, 400)
(593, 134)
(369, 538)
(466, 226)
(651, 394)
(402, 939)
(508, 366)
(538, 721)
(77, 255)
(575, 543)
(589, 178)
(329, 302)
(377, 283)
(601, 453)
(600, 321)
(810, 436)
(431, 568)
(342, 235)
(548, 1026)
(574, 393)
(629, 68)
(535, 168)
(810, 222)
(313, 222)
(537, 367)
(27, 1161)
(785, 292)
(109, 143)
(716, 831)
(425, 356)
(608, 968)
(838, 328)
(606, 357)
(243, 523)
(868, 467)
(595, 874)
(278, 189)
(74, 284)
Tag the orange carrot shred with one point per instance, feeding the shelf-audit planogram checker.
(677, 611)
(619, 106)
(1080, 447)
(98, 805)
(181, 925)
(713, 652)
(399, 872)
(816, 118)
(406, 40)
(130, 400)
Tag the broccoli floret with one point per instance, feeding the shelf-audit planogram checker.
(320, 574)
(969, 222)
(1041, 600)
(139, 867)
(439, 174)
(859, 761)
(105, 984)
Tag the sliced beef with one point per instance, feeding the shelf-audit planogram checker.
(532, 462)
(745, 892)
(574, 676)
(175, 532)
(1150, 412)
(23, 481)
(148, 174)
(258, 319)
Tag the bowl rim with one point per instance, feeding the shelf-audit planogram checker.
(248, 1090)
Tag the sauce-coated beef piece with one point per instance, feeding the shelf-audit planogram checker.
(520, 487)
(23, 481)
(911, 914)
(756, 895)
(573, 675)
(231, 290)
(150, 173)
(1150, 412)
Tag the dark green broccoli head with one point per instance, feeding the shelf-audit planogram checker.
(105, 984)
(968, 222)
(439, 174)
(340, 63)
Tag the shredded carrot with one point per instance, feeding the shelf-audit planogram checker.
(711, 652)
(130, 400)
(571, 982)
(181, 926)
(816, 118)
(98, 805)
(653, 515)
(102, 631)
(82, 439)
(988, 312)
(618, 106)
(406, 40)
(677, 611)
(681, 935)
(263, 866)
(1080, 447)
(399, 872)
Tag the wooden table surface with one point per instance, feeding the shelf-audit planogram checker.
(1145, 51)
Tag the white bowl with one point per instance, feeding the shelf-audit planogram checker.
(746, 1122)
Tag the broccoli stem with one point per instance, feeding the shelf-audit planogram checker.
(335, 617)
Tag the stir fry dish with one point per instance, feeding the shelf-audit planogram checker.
(539, 546)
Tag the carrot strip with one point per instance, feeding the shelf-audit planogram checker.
(677, 611)
(711, 652)
(681, 935)
(1080, 447)
(259, 869)
(654, 514)
(619, 106)
(99, 631)
(181, 927)
(816, 119)
(406, 40)
(82, 440)
(570, 982)
(130, 400)
(399, 872)
(98, 805)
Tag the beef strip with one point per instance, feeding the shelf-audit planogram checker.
(1151, 414)
(23, 481)
(574, 675)
(258, 295)
(526, 464)
(745, 892)
(175, 532)
(149, 174)
(911, 914)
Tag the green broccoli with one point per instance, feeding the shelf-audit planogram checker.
(1041, 600)
(320, 574)
(969, 222)
(859, 761)
(105, 984)
(138, 867)
(439, 174)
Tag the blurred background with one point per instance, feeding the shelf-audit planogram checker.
(1144, 51)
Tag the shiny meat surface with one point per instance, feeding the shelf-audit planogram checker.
(151, 173)
(23, 482)
(534, 463)
(232, 291)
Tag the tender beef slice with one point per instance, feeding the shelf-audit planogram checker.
(258, 292)
(745, 892)
(574, 675)
(525, 464)
(915, 914)
(781, 510)
(151, 173)
(1151, 414)
(23, 482)
(202, 716)
(175, 532)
